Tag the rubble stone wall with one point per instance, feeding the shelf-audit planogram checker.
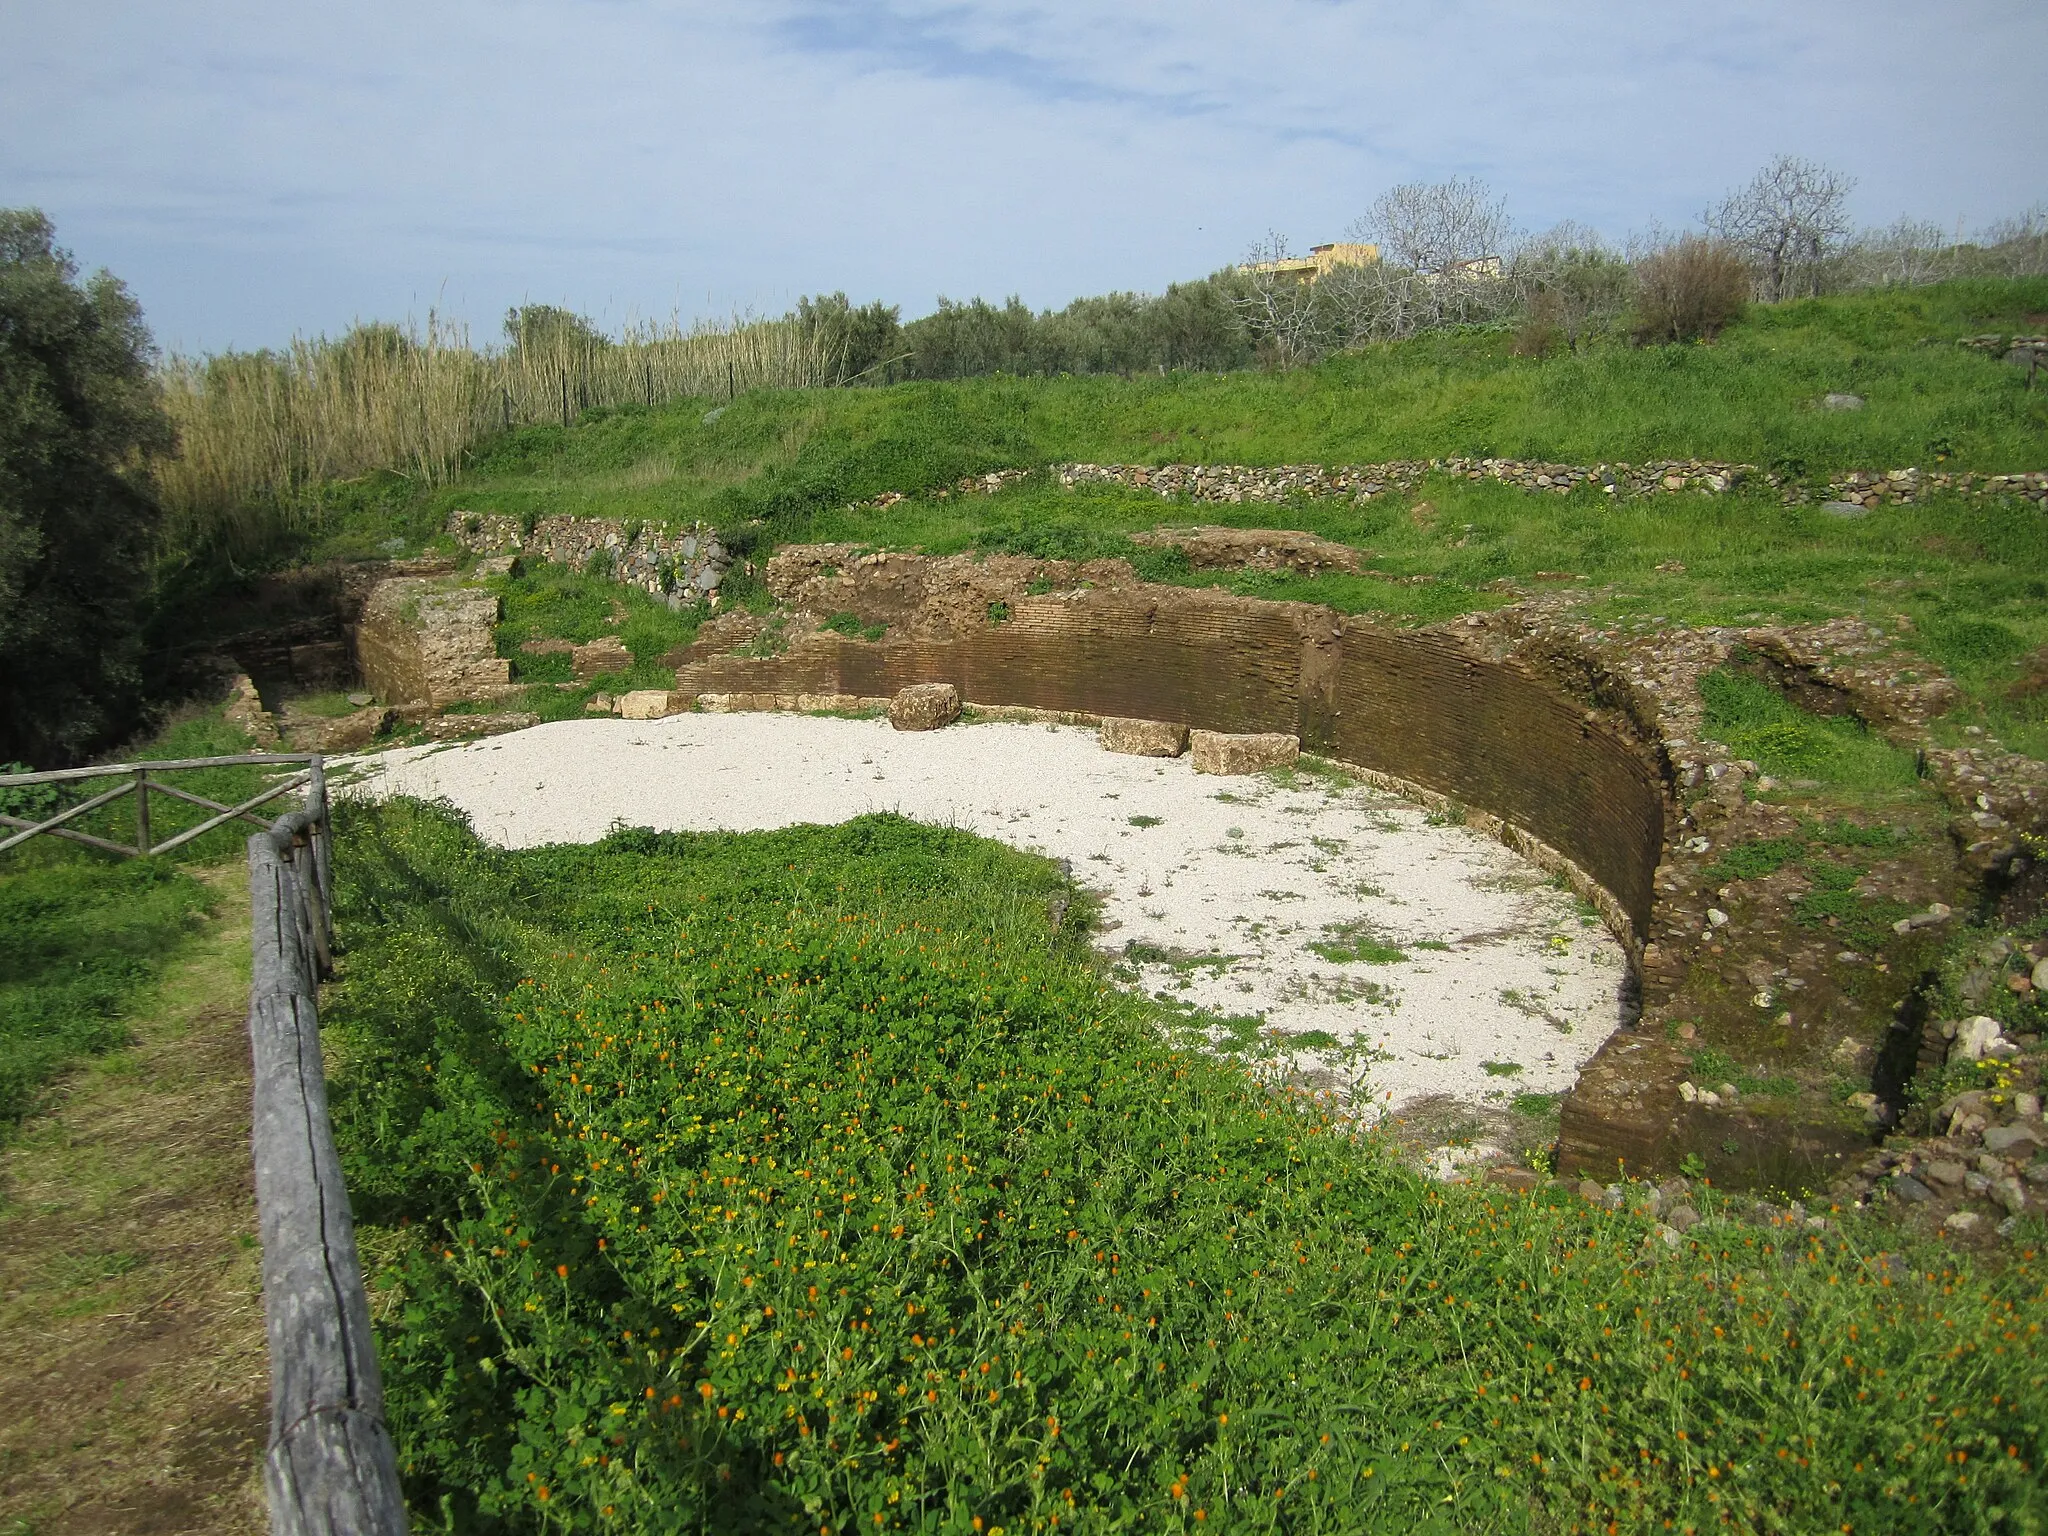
(682, 566)
(1237, 483)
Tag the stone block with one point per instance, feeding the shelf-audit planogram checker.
(1144, 738)
(1215, 752)
(607, 653)
(344, 733)
(652, 703)
(455, 727)
(925, 707)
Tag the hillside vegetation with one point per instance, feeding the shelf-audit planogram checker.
(744, 1182)
(1969, 576)
(1750, 397)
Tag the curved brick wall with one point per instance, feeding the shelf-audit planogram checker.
(1415, 705)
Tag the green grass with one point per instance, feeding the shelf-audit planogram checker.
(552, 602)
(1761, 724)
(1355, 944)
(808, 1179)
(786, 455)
(84, 933)
(1960, 580)
(80, 939)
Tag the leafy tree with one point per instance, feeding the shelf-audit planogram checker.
(80, 422)
(859, 340)
(547, 327)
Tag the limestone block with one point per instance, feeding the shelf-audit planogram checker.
(604, 654)
(1215, 752)
(422, 642)
(344, 733)
(652, 703)
(454, 727)
(925, 707)
(1144, 738)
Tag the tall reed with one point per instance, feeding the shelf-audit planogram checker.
(258, 430)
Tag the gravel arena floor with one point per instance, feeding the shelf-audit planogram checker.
(1452, 979)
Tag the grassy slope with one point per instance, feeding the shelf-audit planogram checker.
(807, 1178)
(1749, 397)
(83, 934)
(1971, 579)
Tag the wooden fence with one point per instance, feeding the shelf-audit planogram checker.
(330, 1469)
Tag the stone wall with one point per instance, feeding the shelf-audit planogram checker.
(424, 641)
(681, 567)
(1360, 483)
(1427, 708)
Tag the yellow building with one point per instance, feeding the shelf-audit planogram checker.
(1319, 261)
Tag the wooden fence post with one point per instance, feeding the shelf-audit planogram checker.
(331, 1469)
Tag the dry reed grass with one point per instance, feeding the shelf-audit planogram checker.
(258, 430)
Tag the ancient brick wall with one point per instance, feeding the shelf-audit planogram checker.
(1415, 705)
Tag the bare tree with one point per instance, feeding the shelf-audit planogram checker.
(1437, 226)
(2016, 247)
(1905, 255)
(1788, 222)
(1278, 309)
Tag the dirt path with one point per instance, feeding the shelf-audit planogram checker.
(133, 1385)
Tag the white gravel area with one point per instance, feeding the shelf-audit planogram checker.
(1471, 975)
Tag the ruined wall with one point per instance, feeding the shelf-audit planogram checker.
(420, 641)
(1415, 705)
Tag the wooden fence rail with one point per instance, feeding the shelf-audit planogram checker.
(330, 1469)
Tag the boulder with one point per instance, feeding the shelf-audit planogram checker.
(1144, 738)
(652, 703)
(925, 707)
(2014, 1140)
(604, 654)
(421, 641)
(1974, 1037)
(1507, 1176)
(1215, 752)
(1841, 402)
(246, 713)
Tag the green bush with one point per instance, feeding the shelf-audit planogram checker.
(811, 1180)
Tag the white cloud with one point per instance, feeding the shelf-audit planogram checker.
(255, 169)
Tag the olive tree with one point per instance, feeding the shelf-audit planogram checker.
(80, 423)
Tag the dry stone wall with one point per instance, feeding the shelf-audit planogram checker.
(1231, 484)
(681, 567)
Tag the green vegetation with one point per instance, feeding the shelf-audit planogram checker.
(552, 602)
(743, 1181)
(79, 427)
(1761, 724)
(1355, 943)
(83, 934)
(794, 457)
(79, 941)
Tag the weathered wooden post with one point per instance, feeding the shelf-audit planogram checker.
(331, 1469)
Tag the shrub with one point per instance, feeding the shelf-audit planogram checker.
(1690, 289)
(808, 1179)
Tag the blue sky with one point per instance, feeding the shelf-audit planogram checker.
(259, 168)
